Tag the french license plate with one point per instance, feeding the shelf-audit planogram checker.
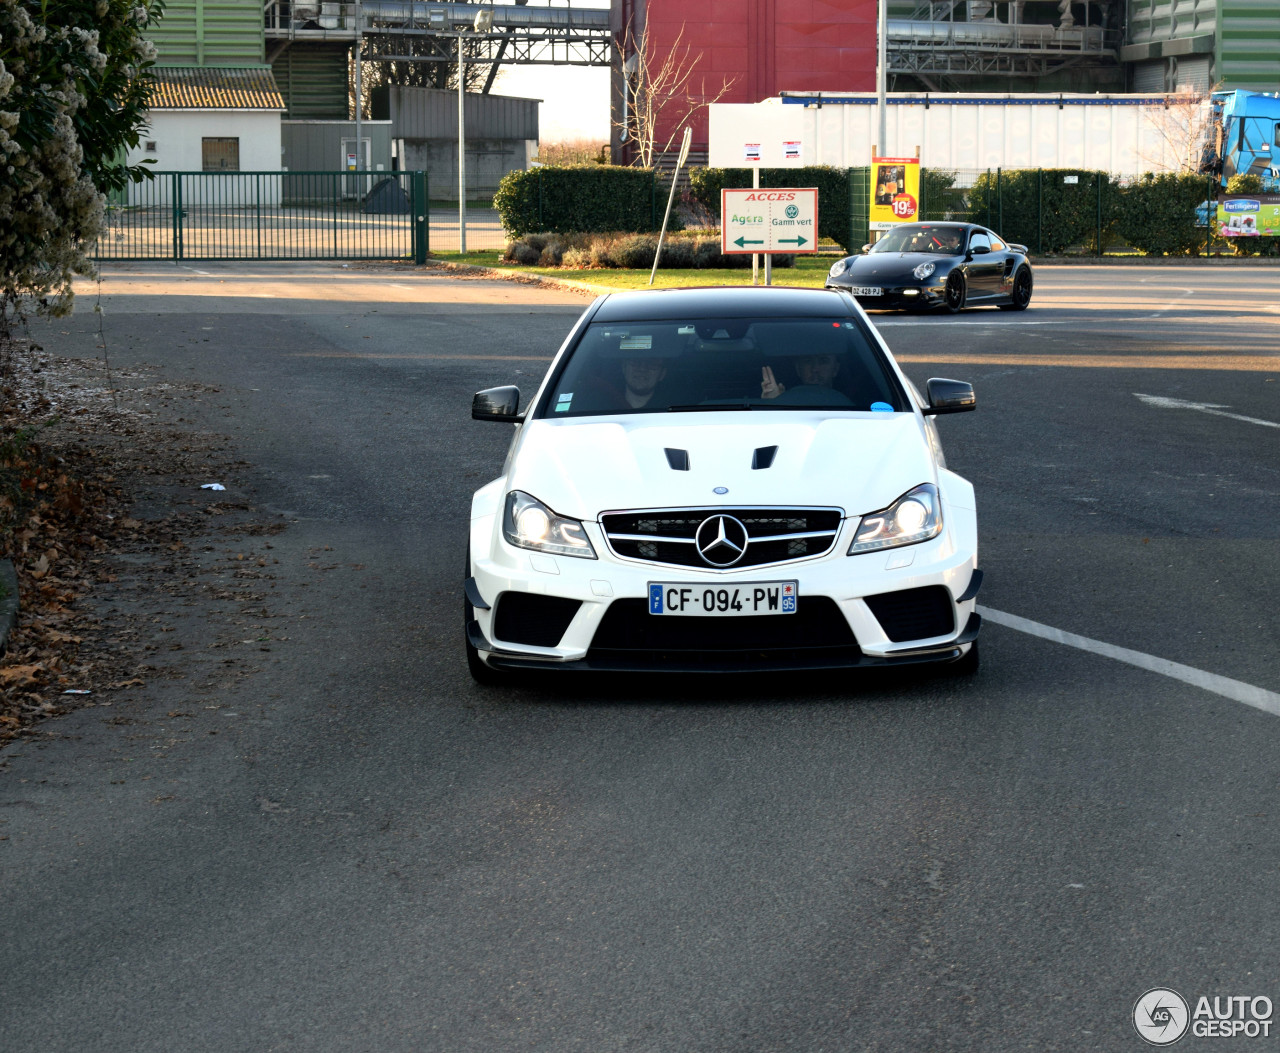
(866, 290)
(745, 599)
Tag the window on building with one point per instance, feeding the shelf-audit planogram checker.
(220, 154)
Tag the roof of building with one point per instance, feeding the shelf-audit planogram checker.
(214, 88)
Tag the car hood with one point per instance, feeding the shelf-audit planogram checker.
(859, 462)
(894, 264)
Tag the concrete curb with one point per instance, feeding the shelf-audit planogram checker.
(8, 602)
(1153, 261)
(588, 289)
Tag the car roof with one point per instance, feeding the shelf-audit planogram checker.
(752, 301)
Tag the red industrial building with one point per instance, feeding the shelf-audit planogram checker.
(760, 47)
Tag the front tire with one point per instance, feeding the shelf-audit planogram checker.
(956, 292)
(1020, 298)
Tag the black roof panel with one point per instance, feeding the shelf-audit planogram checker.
(733, 301)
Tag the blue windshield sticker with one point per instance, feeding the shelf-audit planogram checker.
(881, 407)
(566, 397)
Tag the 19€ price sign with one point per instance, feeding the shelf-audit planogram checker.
(895, 191)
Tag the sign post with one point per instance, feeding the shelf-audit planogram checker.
(675, 175)
(765, 222)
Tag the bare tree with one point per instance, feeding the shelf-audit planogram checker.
(1179, 133)
(661, 93)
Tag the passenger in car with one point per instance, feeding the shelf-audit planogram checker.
(817, 371)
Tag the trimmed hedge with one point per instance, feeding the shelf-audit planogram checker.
(834, 218)
(579, 198)
(1040, 209)
(1158, 214)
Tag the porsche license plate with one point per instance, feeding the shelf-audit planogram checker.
(866, 290)
(744, 599)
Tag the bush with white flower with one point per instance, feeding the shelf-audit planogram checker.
(74, 79)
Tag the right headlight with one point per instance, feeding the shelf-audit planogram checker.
(914, 517)
(838, 268)
(924, 270)
(528, 523)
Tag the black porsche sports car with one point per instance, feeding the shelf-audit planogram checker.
(918, 266)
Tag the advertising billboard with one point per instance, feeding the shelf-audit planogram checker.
(895, 191)
(1247, 215)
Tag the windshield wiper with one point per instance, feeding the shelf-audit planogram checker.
(712, 407)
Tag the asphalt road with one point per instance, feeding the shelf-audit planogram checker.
(374, 854)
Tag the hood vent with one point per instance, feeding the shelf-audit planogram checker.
(763, 457)
(678, 459)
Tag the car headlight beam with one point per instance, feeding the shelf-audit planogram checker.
(914, 517)
(528, 523)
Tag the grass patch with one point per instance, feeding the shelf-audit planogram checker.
(809, 272)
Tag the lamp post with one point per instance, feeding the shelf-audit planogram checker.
(359, 92)
(882, 74)
(482, 24)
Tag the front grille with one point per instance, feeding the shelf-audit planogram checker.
(914, 614)
(526, 618)
(816, 636)
(774, 535)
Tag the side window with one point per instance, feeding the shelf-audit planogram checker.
(1278, 133)
(996, 244)
(979, 239)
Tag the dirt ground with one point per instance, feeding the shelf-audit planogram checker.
(114, 538)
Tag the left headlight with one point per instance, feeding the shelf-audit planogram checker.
(924, 270)
(528, 523)
(914, 517)
(838, 268)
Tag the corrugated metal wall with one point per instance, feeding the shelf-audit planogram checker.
(209, 33)
(430, 113)
(1151, 20)
(313, 80)
(1248, 54)
(316, 146)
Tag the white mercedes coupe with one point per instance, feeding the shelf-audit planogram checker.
(722, 480)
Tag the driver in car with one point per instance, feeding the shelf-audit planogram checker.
(817, 371)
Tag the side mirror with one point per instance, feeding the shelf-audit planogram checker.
(866, 248)
(500, 404)
(949, 396)
(979, 250)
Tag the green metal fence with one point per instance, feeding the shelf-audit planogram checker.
(269, 216)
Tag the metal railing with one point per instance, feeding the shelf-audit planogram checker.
(269, 216)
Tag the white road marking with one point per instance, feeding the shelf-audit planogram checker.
(1174, 303)
(1213, 408)
(948, 320)
(1236, 690)
(194, 270)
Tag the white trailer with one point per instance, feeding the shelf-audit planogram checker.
(1124, 135)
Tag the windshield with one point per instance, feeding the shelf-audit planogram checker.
(927, 237)
(723, 364)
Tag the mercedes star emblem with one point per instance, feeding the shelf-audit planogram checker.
(721, 540)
